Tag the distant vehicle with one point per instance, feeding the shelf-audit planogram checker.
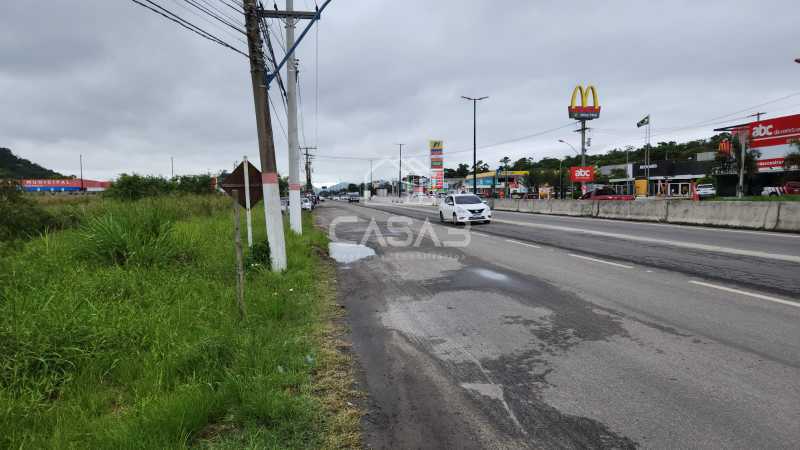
(306, 203)
(284, 203)
(789, 188)
(706, 190)
(463, 208)
(605, 194)
(353, 197)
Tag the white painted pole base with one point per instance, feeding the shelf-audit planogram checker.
(295, 217)
(274, 221)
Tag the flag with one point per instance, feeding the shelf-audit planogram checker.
(643, 122)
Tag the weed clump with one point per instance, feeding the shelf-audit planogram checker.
(259, 256)
(138, 234)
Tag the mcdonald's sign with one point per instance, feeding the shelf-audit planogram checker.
(725, 147)
(584, 111)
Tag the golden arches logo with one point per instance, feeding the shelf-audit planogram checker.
(584, 111)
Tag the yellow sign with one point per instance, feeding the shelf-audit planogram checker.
(641, 188)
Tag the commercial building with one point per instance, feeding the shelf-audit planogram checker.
(65, 185)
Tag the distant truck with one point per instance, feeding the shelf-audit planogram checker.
(353, 197)
(789, 188)
(605, 194)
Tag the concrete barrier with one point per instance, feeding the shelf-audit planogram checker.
(644, 210)
(754, 215)
(572, 207)
(788, 216)
(506, 204)
(525, 205)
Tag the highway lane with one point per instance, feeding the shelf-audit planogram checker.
(763, 261)
(507, 343)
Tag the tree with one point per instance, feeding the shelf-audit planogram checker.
(352, 187)
(482, 167)
(793, 158)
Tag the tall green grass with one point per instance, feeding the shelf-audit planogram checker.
(122, 333)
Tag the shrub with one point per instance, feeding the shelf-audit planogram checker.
(142, 234)
(19, 217)
(259, 256)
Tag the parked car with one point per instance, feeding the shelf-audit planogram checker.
(789, 188)
(464, 208)
(306, 203)
(706, 190)
(353, 197)
(605, 194)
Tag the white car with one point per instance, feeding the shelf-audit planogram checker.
(706, 190)
(306, 203)
(464, 208)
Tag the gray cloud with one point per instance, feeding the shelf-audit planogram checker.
(128, 89)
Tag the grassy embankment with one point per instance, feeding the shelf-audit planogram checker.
(122, 333)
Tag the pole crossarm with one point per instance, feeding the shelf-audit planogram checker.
(272, 14)
(291, 50)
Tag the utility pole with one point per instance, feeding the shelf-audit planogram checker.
(266, 144)
(171, 167)
(309, 157)
(295, 219)
(474, 141)
(400, 173)
(582, 130)
(743, 145)
(370, 180)
(81, 164)
(757, 116)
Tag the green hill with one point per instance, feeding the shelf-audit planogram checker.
(12, 166)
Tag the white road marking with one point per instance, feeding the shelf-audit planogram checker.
(692, 245)
(480, 234)
(749, 294)
(600, 261)
(522, 243)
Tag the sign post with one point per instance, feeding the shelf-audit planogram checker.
(247, 203)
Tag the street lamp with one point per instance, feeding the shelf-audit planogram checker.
(474, 140)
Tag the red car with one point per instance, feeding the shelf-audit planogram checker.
(605, 194)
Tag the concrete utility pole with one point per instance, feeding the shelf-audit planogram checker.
(172, 167)
(81, 164)
(266, 144)
(248, 210)
(742, 144)
(309, 157)
(474, 141)
(400, 173)
(295, 219)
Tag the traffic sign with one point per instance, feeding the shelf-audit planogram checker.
(236, 181)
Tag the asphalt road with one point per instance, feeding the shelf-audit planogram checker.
(551, 332)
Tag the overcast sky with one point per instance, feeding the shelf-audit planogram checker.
(128, 89)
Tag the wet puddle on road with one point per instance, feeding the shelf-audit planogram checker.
(343, 252)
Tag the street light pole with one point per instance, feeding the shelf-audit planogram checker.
(400, 173)
(474, 140)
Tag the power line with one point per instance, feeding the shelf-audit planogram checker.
(214, 16)
(188, 25)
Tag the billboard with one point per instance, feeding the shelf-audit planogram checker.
(774, 138)
(581, 174)
(437, 165)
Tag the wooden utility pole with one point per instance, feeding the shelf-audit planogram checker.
(266, 144)
(237, 240)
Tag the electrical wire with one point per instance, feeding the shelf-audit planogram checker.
(160, 10)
